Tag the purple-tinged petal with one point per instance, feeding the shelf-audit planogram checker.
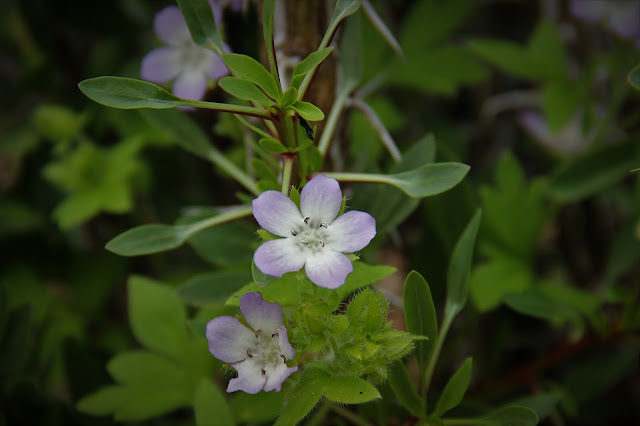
(161, 65)
(589, 10)
(276, 376)
(328, 268)
(285, 347)
(229, 339)
(190, 85)
(250, 378)
(624, 18)
(170, 26)
(276, 213)
(321, 199)
(218, 69)
(260, 314)
(351, 232)
(277, 257)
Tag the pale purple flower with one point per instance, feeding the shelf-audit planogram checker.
(569, 140)
(621, 16)
(313, 236)
(181, 59)
(259, 354)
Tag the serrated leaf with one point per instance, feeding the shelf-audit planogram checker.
(246, 67)
(455, 389)
(308, 111)
(460, 267)
(420, 314)
(244, 89)
(202, 24)
(210, 406)
(308, 64)
(349, 390)
(398, 379)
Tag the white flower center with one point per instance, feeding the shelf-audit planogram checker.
(266, 352)
(311, 235)
(196, 58)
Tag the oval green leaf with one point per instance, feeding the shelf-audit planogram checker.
(244, 89)
(246, 67)
(398, 379)
(202, 24)
(147, 239)
(308, 64)
(128, 93)
(420, 314)
(349, 390)
(272, 145)
(455, 389)
(210, 406)
(308, 111)
(289, 97)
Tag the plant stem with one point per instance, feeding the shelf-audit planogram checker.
(349, 415)
(435, 353)
(287, 168)
(332, 120)
(234, 214)
(358, 177)
(234, 109)
(220, 160)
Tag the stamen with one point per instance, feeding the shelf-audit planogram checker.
(263, 371)
(305, 242)
(284, 358)
(274, 335)
(306, 219)
(294, 233)
(258, 332)
(322, 242)
(249, 353)
(323, 225)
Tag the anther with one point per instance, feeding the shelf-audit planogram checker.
(323, 225)
(263, 371)
(284, 358)
(305, 242)
(258, 332)
(249, 353)
(274, 335)
(294, 233)
(322, 242)
(306, 219)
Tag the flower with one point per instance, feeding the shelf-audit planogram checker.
(260, 353)
(314, 237)
(622, 16)
(181, 60)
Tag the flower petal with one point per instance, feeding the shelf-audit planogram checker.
(328, 268)
(161, 65)
(277, 257)
(351, 232)
(217, 69)
(190, 85)
(276, 376)
(250, 378)
(276, 213)
(285, 347)
(170, 26)
(321, 199)
(229, 339)
(260, 314)
(624, 18)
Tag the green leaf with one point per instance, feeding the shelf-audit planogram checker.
(543, 404)
(155, 238)
(560, 100)
(182, 129)
(212, 287)
(594, 171)
(510, 57)
(398, 379)
(157, 317)
(420, 314)
(432, 20)
(259, 278)
(210, 406)
(246, 67)
(14, 345)
(351, 58)
(307, 65)
(460, 266)
(289, 97)
(492, 280)
(349, 390)
(306, 397)
(146, 403)
(128, 93)
(268, 9)
(363, 275)
(512, 415)
(272, 145)
(308, 111)
(547, 47)
(262, 407)
(634, 77)
(202, 24)
(102, 402)
(244, 89)
(534, 303)
(455, 389)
